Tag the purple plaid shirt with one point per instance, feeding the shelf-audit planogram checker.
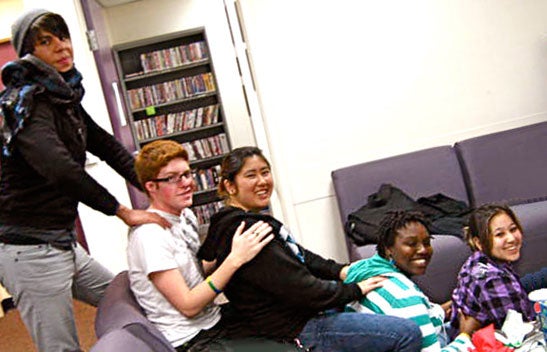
(486, 290)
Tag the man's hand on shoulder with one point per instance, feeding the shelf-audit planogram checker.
(134, 217)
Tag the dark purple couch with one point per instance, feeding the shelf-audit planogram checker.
(121, 326)
(120, 323)
(505, 167)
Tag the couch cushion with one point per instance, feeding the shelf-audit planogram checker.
(533, 217)
(422, 173)
(133, 338)
(508, 166)
(118, 341)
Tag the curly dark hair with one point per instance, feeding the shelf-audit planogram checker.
(392, 222)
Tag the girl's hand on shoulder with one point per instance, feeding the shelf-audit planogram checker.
(246, 245)
(371, 283)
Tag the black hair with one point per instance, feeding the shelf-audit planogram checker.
(392, 222)
(49, 22)
(233, 162)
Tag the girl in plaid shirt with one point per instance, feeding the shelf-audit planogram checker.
(487, 284)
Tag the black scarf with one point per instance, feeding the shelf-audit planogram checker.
(25, 78)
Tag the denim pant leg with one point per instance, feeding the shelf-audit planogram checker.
(360, 332)
(90, 279)
(535, 281)
(40, 279)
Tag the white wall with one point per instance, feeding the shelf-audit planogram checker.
(355, 80)
(351, 81)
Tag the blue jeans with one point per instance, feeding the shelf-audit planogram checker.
(360, 332)
(535, 280)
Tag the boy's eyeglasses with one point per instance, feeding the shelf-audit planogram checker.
(174, 179)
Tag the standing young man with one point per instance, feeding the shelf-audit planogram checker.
(45, 136)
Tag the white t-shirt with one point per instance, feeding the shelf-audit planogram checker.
(152, 248)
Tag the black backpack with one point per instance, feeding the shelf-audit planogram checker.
(446, 216)
(362, 225)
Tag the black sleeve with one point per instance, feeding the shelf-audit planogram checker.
(42, 149)
(323, 268)
(103, 145)
(218, 242)
(275, 271)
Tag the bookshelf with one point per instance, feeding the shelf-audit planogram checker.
(170, 92)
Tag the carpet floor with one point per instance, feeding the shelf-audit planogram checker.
(15, 338)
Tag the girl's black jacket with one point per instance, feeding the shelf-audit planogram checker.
(275, 294)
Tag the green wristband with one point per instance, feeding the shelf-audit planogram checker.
(212, 285)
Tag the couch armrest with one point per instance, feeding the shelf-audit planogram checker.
(119, 310)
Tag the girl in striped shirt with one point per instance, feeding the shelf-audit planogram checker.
(403, 250)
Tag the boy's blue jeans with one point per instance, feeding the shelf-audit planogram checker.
(535, 280)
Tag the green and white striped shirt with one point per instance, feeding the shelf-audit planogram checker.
(399, 296)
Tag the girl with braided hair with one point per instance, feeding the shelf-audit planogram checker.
(404, 250)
